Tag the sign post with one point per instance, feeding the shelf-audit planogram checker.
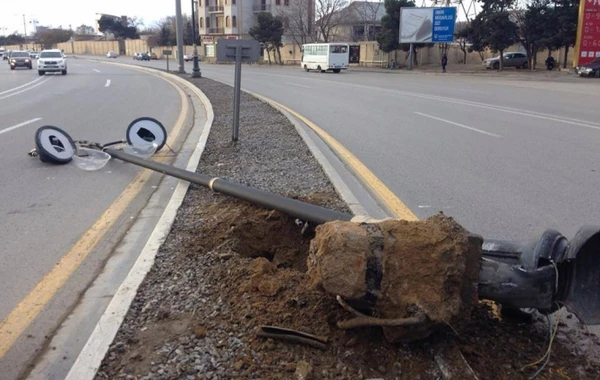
(238, 51)
(167, 53)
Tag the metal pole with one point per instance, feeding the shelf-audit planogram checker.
(25, 31)
(168, 61)
(301, 210)
(179, 27)
(410, 57)
(236, 92)
(196, 70)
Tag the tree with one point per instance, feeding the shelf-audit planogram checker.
(166, 37)
(477, 37)
(108, 24)
(329, 17)
(568, 17)
(85, 30)
(501, 32)
(299, 24)
(12, 39)
(268, 31)
(47, 37)
(188, 33)
(462, 34)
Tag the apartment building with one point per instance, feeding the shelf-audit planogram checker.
(234, 18)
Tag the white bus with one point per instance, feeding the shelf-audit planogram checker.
(325, 57)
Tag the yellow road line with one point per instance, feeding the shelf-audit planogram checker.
(390, 200)
(27, 310)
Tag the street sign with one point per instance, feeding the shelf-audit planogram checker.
(226, 50)
(587, 46)
(237, 51)
(427, 25)
(167, 52)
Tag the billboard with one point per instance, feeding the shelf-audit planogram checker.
(427, 25)
(587, 46)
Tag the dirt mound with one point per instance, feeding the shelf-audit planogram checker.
(399, 269)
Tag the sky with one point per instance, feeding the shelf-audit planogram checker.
(77, 12)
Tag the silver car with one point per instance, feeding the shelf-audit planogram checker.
(518, 60)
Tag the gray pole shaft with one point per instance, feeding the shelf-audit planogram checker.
(410, 57)
(25, 31)
(179, 26)
(236, 92)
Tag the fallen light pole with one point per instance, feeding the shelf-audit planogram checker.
(543, 274)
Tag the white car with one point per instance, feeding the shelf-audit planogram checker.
(52, 60)
(111, 54)
(187, 57)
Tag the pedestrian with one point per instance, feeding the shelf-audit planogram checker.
(444, 62)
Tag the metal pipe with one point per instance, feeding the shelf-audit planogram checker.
(301, 210)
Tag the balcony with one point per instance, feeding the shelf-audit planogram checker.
(262, 8)
(216, 9)
(215, 30)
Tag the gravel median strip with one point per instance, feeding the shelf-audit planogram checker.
(228, 268)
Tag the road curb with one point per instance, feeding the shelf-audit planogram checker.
(90, 358)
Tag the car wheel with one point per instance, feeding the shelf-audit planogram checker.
(64, 72)
(30, 67)
(525, 65)
(12, 67)
(306, 68)
(337, 71)
(496, 65)
(40, 73)
(319, 69)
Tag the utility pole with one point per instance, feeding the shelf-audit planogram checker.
(179, 27)
(196, 70)
(25, 31)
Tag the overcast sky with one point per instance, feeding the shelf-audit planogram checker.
(77, 12)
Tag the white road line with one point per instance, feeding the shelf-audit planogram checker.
(96, 70)
(77, 64)
(516, 111)
(24, 85)
(27, 89)
(20, 125)
(458, 125)
(299, 85)
(107, 83)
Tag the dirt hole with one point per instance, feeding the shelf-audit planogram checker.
(235, 226)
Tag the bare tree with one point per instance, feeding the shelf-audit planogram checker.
(369, 13)
(298, 20)
(329, 16)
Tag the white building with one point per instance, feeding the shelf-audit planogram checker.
(234, 18)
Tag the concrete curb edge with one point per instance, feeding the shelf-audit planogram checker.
(90, 358)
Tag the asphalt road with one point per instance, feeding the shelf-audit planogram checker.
(507, 157)
(45, 209)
